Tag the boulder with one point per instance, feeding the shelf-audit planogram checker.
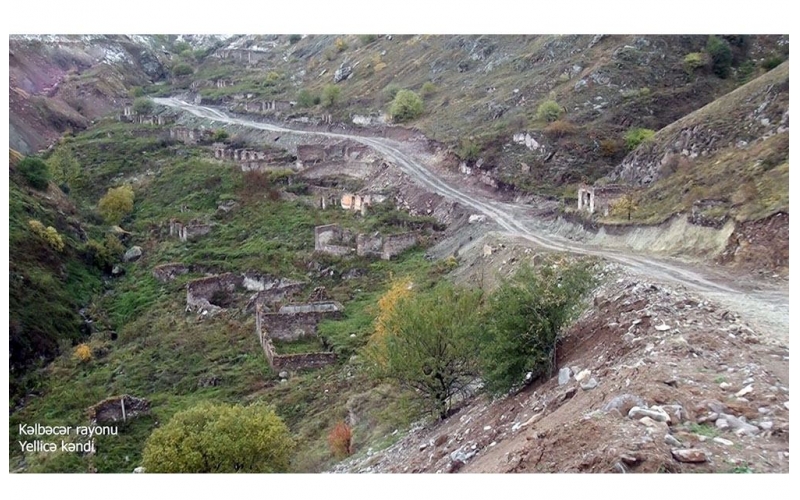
(133, 253)
(344, 72)
(655, 413)
(589, 384)
(690, 455)
(564, 375)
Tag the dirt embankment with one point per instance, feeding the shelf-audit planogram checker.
(711, 398)
(761, 246)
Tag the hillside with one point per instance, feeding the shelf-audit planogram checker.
(250, 221)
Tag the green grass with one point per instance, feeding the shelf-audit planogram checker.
(707, 430)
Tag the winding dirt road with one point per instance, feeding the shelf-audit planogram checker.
(765, 307)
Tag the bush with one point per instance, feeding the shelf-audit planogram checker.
(35, 172)
(469, 150)
(137, 92)
(64, 168)
(524, 318)
(293, 39)
(116, 204)
(407, 105)
(391, 90)
(624, 206)
(636, 136)
(772, 62)
(143, 106)
(340, 439)
(306, 99)
(428, 88)
(182, 69)
(367, 39)
(330, 94)
(221, 135)
(694, 61)
(220, 438)
(83, 353)
(425, 341)
(560, 128)
(47, 234)
(721, 56)
(340, 45)
(549, 111)
(609, 148)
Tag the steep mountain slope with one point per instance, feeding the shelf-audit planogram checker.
(62, 82)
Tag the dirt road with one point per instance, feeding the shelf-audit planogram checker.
(765, 307)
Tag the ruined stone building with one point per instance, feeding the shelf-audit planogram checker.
(599, 199)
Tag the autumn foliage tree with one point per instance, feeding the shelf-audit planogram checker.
(425, 340)
(220, 438)
(116, 204)
(340, 440)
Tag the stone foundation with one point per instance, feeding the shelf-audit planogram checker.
(118, 409)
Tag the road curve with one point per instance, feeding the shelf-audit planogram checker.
(767, 310)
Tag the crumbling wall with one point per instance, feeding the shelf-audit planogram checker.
(333, 240)
(168, 272)
(396, 244)
(118, 409)
(200, 292)
(593, 199)
(305, 361)
(294, 322)
(190, 231)
(369, 245)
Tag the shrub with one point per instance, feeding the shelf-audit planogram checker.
(340, 45)
(143, 106)
(367, 39)
(428, 88)
(137, 92)
(469, 150)
(35, 172)
(63, 166)
(636, 136)
(694, 61)
(293, 39)
(721, 56)
(624, 206)
(340, 440)
(560, 128)
(426, 343)
(220, 438)
(330, 94)
(549, 111)
(306, 99)
(116, 204)
(391, 90)
(47, 234)
(772, 62)
(523, 320)
(609, 148)
(83, 353)
(182, 69)
(221, 135)
(407, 105)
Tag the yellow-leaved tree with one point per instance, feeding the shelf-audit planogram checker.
(116, 204)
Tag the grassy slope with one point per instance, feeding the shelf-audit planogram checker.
(166, 356)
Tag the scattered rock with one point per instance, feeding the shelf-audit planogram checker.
(786, 405)
(284, 374)
(724, 386)
(623, 403)
(344, 71)
(117, 270)
(588, 385)
(672, 440)
(476, 218)
(139, 470)
(662, 327)
(568, 394)
(723, 441)
(132, 254)
(462, 456)
(766, 426)
(690, 455)
(631, 458)
(739, 426)
(722, 424)
(743, 392)
(582, 375)
(647, 422)
(564, 375)
(656, 413)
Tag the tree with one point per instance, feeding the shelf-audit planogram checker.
(142, 106)
(330, 94)
(407, 105)
(63, 166)
(305, 99)
(626, 204)
(182, 69)
(523, 320)
(636, 135)
(220, 438)
(549, 111)
(721, 56)
(35, 172)
(428, 343)
(116, 204)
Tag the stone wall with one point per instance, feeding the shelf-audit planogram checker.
(190, 135)
(294, 322)
(191, 231)
(287, 361)
(146, 119)
(356, 202)
(199, 292)
(118, 409)
(599, 199)
(333, 240)
(396, 244)
(369, 245)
